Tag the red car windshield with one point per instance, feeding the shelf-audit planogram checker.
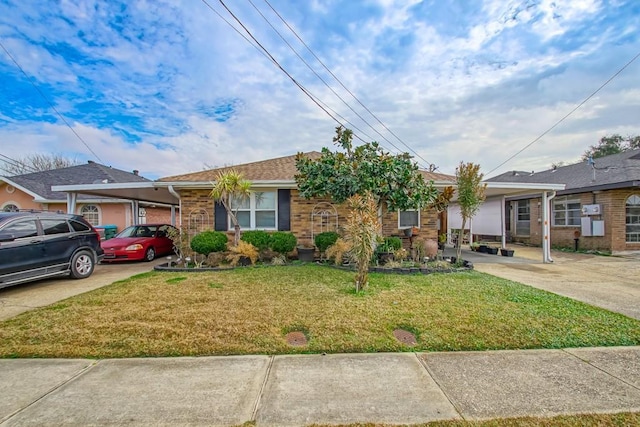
(138, 231)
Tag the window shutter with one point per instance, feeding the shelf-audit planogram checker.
(284, 210)
(220, 217)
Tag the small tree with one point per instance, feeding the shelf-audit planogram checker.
(471, 194)
(361, 233)
(394, 181)
(231, 188)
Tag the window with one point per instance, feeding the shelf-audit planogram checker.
(10, 207)
(566, 211)
(91, 214)
(22, 229)
(258, 211)
(523, 218)
(410, 218)
(54, 226)
(633, 219)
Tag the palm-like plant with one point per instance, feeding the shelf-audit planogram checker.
(231, 185)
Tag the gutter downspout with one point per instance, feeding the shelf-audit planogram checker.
(173, 192)
(546, 227)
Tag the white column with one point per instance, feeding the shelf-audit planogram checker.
(504, 223)
(71, 202)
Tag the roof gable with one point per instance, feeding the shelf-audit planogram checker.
(278, 169)
(40, 183)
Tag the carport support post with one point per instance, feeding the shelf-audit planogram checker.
(546, 229)
(71, 202)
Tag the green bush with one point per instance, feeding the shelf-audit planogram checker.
(258, 238)
(209, 241)
(390, 244)
(283, 242)
(326, 239)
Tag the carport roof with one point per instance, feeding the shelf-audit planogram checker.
(164, 192)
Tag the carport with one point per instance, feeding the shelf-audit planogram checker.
(152, 192)
(491, 218)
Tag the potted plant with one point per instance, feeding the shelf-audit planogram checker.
(506, 252)
(492, 251)
(442, 240)
(475, 246)
(387, 248)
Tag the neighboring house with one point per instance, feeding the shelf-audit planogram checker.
(275, 203)
(33, 191)
(600, 205)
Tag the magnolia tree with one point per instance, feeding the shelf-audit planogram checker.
(471, 194)
(228, 188)
(392, 182)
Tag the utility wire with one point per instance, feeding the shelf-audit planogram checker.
(16, 164)
(318, 75)
(431, 165)
(257, 45)
(569, 113)
(268, 55)
(50, 103)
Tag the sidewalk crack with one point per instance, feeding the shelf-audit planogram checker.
(51, 390)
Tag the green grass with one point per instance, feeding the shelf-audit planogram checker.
(249, 310)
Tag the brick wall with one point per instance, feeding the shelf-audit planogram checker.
(198, 203)
(614, 216)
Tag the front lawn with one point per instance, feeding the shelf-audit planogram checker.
(250, 310)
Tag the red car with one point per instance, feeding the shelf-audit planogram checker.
(139, 242)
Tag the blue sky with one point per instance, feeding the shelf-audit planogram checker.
(168, 87)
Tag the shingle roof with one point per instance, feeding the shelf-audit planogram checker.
(618, 168)
(90, 173)
(278, 169)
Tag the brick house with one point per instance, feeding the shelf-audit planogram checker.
(275, 203)
(600, 205)
(34, 191)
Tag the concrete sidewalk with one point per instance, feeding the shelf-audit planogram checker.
(394, 388)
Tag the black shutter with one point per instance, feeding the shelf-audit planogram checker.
(284, 210)
(220, 217)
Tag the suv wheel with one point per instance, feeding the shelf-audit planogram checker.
(82, 265)
(150, 255)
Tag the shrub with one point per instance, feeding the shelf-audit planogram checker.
(283, 242)
(243, 249)
(390, 244)
(326, 239)
(258, 238)
(338, 250)
(209, 241)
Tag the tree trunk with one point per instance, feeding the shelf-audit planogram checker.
(460, 237)
(236, 234)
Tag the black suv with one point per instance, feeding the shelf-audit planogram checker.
(36, 245)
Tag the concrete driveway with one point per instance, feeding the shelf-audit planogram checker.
(608, 282)
(27, 296)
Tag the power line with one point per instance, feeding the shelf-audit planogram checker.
(266, 53)
(16, 164)
(318, 75)
(49, 102)
(344, 87)
(569, 113)
(256, 44)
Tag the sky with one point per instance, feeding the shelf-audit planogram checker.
(171, 87)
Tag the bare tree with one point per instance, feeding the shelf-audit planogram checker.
(36, 163)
